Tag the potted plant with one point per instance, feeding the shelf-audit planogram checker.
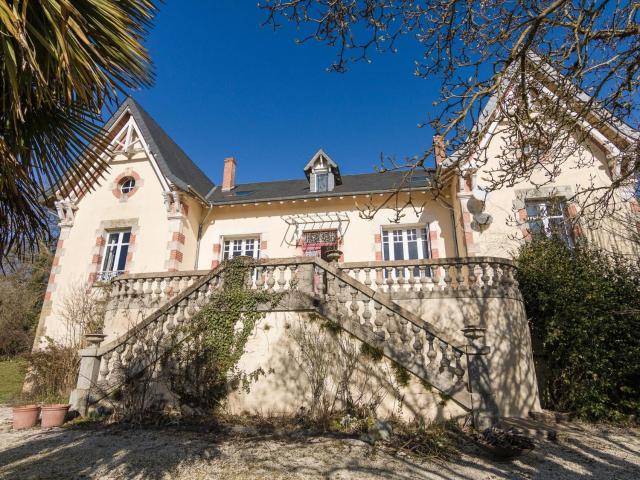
(333, 255)
(54, 415)
(25, 416)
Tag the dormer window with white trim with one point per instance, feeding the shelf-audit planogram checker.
(322, 181)
(323, 173)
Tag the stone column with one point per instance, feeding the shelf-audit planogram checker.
(485, 411)
(88, 374)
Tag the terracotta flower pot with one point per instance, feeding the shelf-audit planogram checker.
(54, 415)
(25, 416)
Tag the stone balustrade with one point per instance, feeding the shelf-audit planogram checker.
(357, 296)
(149, 290)
(446, 277)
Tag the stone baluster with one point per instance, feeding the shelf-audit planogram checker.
(486, 277)
(447, 278)
(354, 307)
(281, 277)
(366, 311)
(444, 360)
(389, 273)
(367, 277)
(379, 321)
(461, 284)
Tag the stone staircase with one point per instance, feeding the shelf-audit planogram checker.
(358, 298)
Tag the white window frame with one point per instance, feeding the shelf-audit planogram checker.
(107, 273)
(229, 245)
(406, 232)
(545, 217)
(317, 175)
(123, 185)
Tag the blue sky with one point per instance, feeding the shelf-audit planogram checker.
(226, 86)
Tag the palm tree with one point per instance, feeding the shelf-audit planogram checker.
(62, 62)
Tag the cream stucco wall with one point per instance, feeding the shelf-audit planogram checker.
(79, 254)
(585, 166)
(267, 221)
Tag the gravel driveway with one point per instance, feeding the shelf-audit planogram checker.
(117, 452)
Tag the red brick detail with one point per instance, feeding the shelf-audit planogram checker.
(47, 296)
(116, 185)
(129, 257)
(216, 248)
(433, 235)
(92, 277)
(263, 245)
(132, 239)
(56, 261)
(435, 253)
(377, 238)
(522, 217)
(229, 174)
(100, 241)
(172, 269)
(176, 255)
(60, 243)
(96, 259)
(468, 184)
(215, 263)
(378, 256)
(178, 237)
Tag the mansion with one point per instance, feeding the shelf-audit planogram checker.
(156, 227)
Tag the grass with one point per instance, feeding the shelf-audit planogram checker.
(11, 378)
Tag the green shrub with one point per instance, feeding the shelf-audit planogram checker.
(584, 309)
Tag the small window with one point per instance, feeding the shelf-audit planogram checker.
(548, 218)
(115, 254)
(322, 182)
(127, 185)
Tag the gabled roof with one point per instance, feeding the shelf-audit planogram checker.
(173, 162)
(490, 110)
(299, 188)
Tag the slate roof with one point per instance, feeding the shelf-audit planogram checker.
(173, 162)
(299, 188)
(176, 165)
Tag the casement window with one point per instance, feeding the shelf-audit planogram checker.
(322, 182)
(115, 254)
(406, 244)
(248, 247)
(549, 218)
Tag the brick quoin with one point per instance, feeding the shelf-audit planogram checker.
(216, 248)
(176, 255)
(215, 263)
(178, 237)
(263, 245)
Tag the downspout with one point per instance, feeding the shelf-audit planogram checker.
(195, 266)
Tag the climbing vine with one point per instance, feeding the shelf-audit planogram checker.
(204, 369)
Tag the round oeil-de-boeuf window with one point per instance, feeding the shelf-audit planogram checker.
(127, 185)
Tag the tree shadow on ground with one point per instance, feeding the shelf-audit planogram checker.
(178, 452)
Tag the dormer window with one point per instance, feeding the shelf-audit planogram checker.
(322, 172)
(322, 182)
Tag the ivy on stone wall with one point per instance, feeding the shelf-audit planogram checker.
(584, 311)
(205, 366)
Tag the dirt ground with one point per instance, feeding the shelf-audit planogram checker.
(117, 452)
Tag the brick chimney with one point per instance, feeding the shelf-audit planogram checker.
(229, 174)
(438, 149)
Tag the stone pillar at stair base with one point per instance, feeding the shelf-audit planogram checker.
(87, 378)
(485, 410)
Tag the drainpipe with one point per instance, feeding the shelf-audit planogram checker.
(195, 266)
